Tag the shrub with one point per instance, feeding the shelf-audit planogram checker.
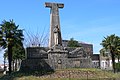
(117, 66)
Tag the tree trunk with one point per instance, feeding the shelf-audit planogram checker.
(16, 65)
(9, 57)
(113, 61)
(13, 65)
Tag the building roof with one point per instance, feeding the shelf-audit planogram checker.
(78, 42)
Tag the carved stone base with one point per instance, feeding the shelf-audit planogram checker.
(58, 59)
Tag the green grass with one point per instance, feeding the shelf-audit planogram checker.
(70, 74)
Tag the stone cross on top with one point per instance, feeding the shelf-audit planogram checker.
(55, 33)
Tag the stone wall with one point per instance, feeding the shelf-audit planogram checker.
(37, 52)
(35, 64)
(41, 59)
(79, 63)
(45, 64)
(87, 47)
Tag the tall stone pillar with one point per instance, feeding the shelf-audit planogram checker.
(55, 37)
(57, 55)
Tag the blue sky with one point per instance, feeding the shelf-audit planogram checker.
(84, 20)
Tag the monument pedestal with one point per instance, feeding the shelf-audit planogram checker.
(58, 58)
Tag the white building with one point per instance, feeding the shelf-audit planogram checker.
(102, 62)
(2, 66)
(106, 62)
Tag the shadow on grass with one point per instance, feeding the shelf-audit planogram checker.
(19, 74)
(30, 67)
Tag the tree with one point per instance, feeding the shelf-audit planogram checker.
(111, 43)
(118, 50)
(36, 39)
(10, 35)
(103, 52)
(73, 43)
(18, 55)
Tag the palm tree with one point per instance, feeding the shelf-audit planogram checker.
(111, 43)
(118, 49)
(102, 52)
(18, 55)
(10, 35)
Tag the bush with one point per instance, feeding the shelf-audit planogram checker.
(117, 66)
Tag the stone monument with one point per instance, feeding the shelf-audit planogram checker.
(57, 55)
(55, 32)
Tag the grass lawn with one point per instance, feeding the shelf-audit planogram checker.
(64, 74)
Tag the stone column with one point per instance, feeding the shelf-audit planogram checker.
(54, 21)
